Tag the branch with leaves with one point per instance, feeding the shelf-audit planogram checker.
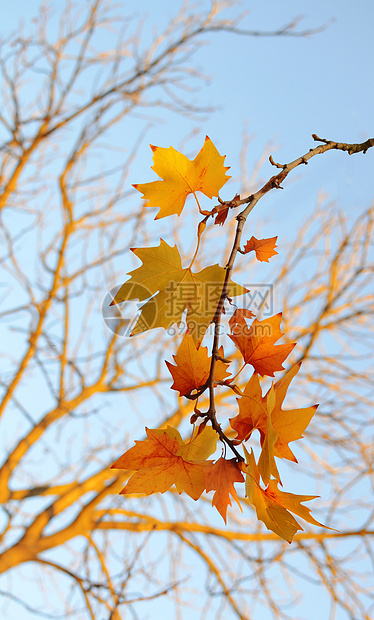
(168, 290)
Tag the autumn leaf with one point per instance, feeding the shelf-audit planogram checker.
(273, 506)
(193, 367)
(255, 413)
(287, 424)
(221, 216)
(177, 289)
(220, 478)
(201, 445)
(252, 411)
(181, 177)
(264, 248)
(257, 344)
(222, 210)
(164, 459)
(266, 463)
(238, 318)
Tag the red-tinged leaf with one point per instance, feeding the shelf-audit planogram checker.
(221, 215)
(264, 248)
(165, 459)
(220, 478)
(257, 345)
(252, 411)
(193, 367)
(239, 316)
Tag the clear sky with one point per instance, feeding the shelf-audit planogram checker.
(278, 91)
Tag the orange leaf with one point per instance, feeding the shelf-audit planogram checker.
(292, 423)
(239, 316)
(273, 506)
(165, 459)
(257, 344)
(266, 463)
(193, 367)
(252, 411)
(255, 414)
(181, 177)
(287, 424)
(220, 478)
(264, 248)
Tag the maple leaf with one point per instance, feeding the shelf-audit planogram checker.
(201, 445)
(264, 248)
(176, 288)
(220, 478)
(266, 463)
(287, 424)
(193, 367)
(252, 411)
(181, 177)
(257, 344)
(255, 413)
(238, 318)
(165, 459)
(273, 506)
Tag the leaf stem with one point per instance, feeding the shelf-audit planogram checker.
(200, 229)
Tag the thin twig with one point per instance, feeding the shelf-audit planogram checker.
(273, 183)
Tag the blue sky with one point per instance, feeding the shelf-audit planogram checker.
(279, 91)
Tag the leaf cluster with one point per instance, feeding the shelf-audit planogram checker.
(168, 290)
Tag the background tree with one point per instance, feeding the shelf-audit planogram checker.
(76, 394)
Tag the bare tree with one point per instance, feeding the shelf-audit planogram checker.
(75, 393)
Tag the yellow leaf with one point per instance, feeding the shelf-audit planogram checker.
(176, 288)
(202, 445)
(272, 505)
(181, 177)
